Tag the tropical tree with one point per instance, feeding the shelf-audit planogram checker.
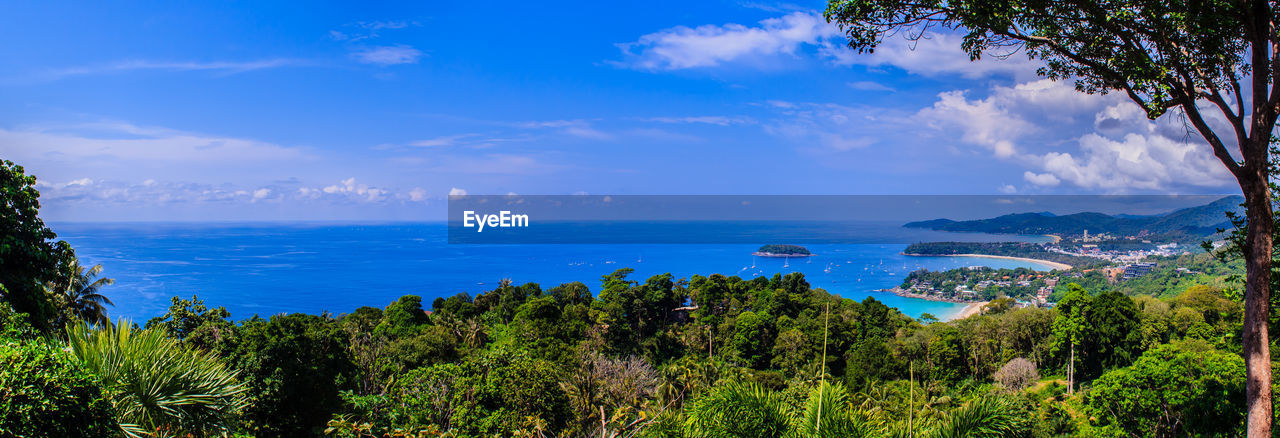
(1195, 57)
(76, 290)
(158, 388)
(740, 410)
(28, 254)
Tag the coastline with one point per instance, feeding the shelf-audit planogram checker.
(971, 307)
(969, 310)
(1053, 265)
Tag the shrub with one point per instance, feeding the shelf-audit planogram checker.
(43, 393)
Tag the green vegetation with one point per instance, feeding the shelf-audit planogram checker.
(44, 393)
(711, 356)
(1007, 249)
(156, 386)
(795, 250)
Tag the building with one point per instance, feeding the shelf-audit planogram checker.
(1137, 270)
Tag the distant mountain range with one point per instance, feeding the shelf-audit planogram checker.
(1203, 220)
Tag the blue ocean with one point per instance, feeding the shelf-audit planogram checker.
(270, 268)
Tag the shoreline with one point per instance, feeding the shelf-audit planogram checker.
(969, 310)
(1053, 265)
(971, 307)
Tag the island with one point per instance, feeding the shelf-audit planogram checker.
(782, 251)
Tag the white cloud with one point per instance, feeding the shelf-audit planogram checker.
(684, 47)
(1008, 189)
(457, 192)
(224, 67)
(833, 128)
(709, 120)
(801, 32)
(448, 140)
(360, 192)
(388, 55)
(1089, 141)
(1041, 179)
(418, 194)
(261, 193)
(103, 143)
(577, 128)
(870, 86)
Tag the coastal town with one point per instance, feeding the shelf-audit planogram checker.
(1113, 260)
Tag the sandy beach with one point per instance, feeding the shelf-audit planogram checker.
(970, 310)
(1054, 265)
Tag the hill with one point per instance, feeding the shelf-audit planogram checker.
(1197, 221)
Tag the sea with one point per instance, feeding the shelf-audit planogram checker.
(270, 268)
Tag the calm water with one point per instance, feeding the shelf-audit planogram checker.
(266, 269)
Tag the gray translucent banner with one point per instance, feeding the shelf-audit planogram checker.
(541, 219)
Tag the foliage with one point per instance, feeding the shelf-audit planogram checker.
(76, 292)
(44, 393)
(1185, 388)
(157, 387)
(195, 325)
(739, 410)
(29, 257)
(294, 367)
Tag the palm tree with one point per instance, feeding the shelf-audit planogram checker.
(157, 386)
(740, 410)
(76, 288)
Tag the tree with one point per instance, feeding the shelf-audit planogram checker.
(28, 255)
(76, 290)
(1017, 374)
(1070, 327)
(1181, 389)
(1191, 56)
(294, 366)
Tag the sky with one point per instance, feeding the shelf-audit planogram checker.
(235, 111)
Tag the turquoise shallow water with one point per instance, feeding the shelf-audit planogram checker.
(266, 269)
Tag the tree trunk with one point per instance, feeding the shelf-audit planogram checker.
(1071, 370)
(1257, 302)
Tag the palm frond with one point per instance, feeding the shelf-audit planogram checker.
(740, 410)
(829, 413)
(157, 386)
(987, 417)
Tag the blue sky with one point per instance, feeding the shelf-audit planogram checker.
(353, 111)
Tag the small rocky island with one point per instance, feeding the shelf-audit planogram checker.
(782, 251)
